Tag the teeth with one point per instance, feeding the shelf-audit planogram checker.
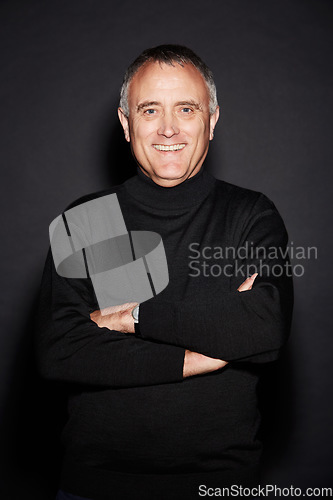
(174, 147)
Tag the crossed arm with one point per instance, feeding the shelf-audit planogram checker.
(76, 344)
(72, 348)
(229, 326)
(119, 318)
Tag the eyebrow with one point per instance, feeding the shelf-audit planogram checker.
(192, 103)
(147, 104)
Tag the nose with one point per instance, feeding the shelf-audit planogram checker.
(168, 126)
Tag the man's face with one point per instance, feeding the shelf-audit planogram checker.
(169, 125)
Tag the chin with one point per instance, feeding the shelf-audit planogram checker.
(171, 172)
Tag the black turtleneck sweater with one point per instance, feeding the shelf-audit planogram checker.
(136, 428)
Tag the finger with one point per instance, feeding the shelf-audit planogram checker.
(247, 284)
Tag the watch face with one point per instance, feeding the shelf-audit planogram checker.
(135, 313)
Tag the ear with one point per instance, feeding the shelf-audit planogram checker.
(124, 123)
(213, 121)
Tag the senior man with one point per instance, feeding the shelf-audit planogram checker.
(162, 394)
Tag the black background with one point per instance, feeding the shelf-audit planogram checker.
(62, 64)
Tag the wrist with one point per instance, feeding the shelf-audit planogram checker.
(135, 313)
(187, 367)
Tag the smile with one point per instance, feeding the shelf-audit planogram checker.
(173, 147)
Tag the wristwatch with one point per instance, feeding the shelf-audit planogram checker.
(135, 314)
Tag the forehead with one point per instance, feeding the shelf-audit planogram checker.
(156, 81)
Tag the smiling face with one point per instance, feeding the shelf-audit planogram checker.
(169, 124)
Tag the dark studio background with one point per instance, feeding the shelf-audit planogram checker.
(62, 64)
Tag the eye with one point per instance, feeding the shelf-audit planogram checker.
(150, 111)
(186, 110)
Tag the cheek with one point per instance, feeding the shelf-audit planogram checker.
(142, 130)
(198, 130)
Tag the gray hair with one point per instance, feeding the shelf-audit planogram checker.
(169, 54)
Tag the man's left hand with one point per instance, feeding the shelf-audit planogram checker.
(117, 318)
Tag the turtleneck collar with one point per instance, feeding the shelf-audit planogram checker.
(186, 194)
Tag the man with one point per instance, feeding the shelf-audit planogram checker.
(162, 394)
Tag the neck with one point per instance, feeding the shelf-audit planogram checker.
(188, 193)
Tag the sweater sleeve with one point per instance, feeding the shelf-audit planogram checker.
(235, 326)
(71, 348)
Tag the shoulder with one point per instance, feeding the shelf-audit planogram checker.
(94, 196)
(243, 200)
(247, 210)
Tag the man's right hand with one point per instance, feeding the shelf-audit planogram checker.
(198, 364)
(247, 284)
